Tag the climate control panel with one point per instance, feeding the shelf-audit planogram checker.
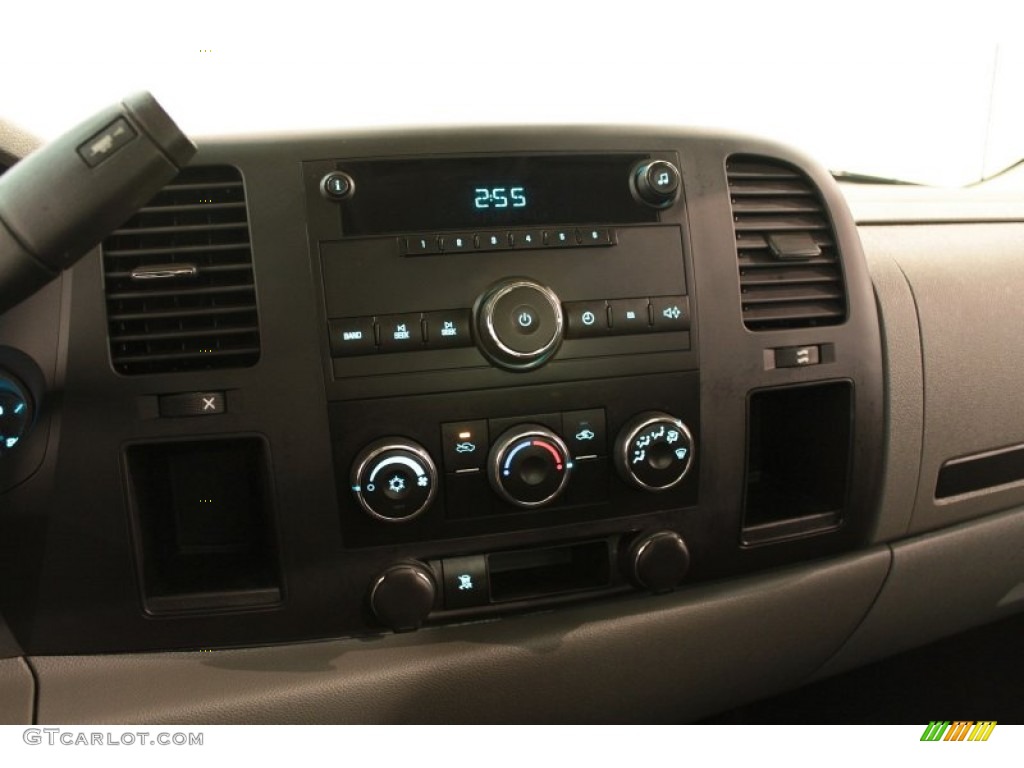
(468, 464)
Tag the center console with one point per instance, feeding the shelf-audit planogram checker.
(342, 385)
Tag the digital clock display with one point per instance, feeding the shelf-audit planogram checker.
(499, 197)
(472, 193)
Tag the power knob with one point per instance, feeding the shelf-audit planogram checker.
(394, 479)
(654, 451)
(529, 466)
(519, 324)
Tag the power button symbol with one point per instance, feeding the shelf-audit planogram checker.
(525, 318)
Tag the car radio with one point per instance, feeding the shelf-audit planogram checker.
(508, 342)
(499, 267)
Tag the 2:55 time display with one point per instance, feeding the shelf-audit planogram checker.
(499, 197)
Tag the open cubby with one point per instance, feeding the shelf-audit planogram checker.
(798, 459)
(203, 526)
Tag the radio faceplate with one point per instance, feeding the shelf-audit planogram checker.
(503, 318)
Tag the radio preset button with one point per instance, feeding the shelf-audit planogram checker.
(585, 319)
(420, 245)
(456, 243)
(527, 239)
(493, 241)
(399, 333)
(447, 329)
(352, 336)
(595, 236)
(560, 238)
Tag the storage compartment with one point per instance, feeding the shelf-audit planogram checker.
(798, 457)
(533, 573)
(203, 527)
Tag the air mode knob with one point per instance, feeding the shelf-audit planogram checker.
(529, 466)
(654, 451)
(519, 324)
(394, 479)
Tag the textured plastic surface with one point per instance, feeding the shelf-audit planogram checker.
(966, 285)
(904, 386)
(17, 692)
(8, 645)
(21, 274)
(655, 659)
(940, 584)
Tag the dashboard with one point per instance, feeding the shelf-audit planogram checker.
(504, 425)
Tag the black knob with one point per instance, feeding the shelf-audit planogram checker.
(654, 451)
(394, 479)
(656, 183)
(337, 185)
(529, 466)
(402, 597)
(658, 561)
(16, 411)
(519, 324)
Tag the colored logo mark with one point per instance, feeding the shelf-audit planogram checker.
(961, 730)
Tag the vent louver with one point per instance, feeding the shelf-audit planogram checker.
(790, 274)
(179, 279)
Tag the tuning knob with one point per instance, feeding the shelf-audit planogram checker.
(529, 466)
(402, 597)
(519, 324)
(656, 183)
(658, 561)
(654, 451)
(394, 479)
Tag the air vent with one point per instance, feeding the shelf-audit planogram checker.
(179, 279)
(790, 275)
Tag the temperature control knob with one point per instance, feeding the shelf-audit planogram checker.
(529, 466)
(519, 324)
(654, 451)
(394, 479)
